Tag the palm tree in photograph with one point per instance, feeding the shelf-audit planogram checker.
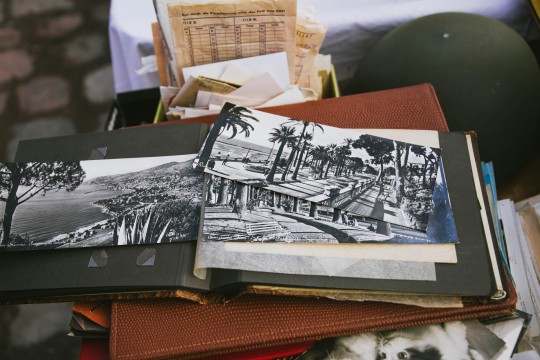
(345, 153)
(293, 144)
(305, 125)
(283, 136)
(342, 154)
(379, 149)
(307, 138)
(399, 179)
(317, 155)
(330, 158)
(232, 118)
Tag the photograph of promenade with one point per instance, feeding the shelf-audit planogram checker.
(99, 202)
(234, 211)
(323, 164)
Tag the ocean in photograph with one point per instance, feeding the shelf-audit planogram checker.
(99, 202)
(238, 149)
(60, 212)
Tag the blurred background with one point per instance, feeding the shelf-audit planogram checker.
(55, 72)
(55, 79)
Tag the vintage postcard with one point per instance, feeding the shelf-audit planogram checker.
(375, 177)
(243, 213)
(46, 205)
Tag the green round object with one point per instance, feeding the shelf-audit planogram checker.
(485, 76)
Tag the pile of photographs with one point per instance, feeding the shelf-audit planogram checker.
(297, 187)
(271, 205)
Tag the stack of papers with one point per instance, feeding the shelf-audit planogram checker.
(521, 224)
(255, 53)
(254, 82)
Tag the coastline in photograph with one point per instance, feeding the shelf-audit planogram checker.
(99, 202)
(323, 164)
(238, 212)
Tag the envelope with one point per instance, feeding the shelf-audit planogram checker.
(275, 64)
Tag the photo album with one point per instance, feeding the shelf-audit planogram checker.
(259, 200)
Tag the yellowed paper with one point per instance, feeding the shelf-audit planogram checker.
(531, 226)
(180, 113)
(215, 32)
(309, 38)
(426, 301)
(188, 94)
(160, 56)
(275, 64)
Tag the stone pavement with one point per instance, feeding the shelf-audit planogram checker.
(302, 228)
(55, 72)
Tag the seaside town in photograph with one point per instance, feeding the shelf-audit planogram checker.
(370, 176)
(235, 211)
(99, 202)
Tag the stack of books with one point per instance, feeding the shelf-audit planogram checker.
(266, 233)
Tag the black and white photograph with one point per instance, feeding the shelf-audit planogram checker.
(235, 211)
(99, 202)
(464, 340)
(375, 177)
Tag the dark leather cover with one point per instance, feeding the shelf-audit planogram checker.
(58, 273)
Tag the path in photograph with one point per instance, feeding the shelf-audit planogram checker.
(368, 198)
(238, 212)
(371, 176)
(266, 224)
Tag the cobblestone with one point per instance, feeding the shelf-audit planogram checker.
(16, 64)
(59, 26)
(54, 72)
(38, 128)
(43, 94)
(85, 48)
(99, 85)
(28, 7)
(9, 38)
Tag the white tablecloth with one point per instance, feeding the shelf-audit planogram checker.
(353, 26)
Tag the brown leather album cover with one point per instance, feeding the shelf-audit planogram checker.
(410, 107)
(180, 329)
